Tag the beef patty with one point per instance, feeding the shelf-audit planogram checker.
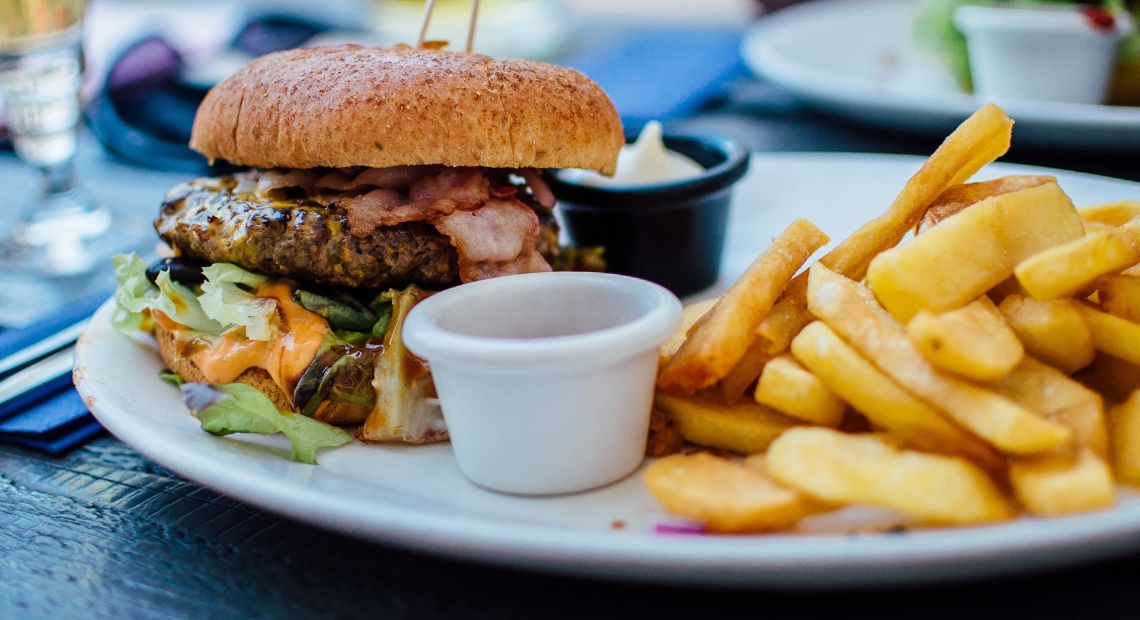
(302, 238)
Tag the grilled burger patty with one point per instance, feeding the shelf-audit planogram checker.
(300, 237)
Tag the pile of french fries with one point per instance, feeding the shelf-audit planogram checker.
(961, 377)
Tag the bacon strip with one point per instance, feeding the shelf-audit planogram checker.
(399, 178)
(495, 240)
(466, 185)
(377, 208)
(538, 187)
(430, 197)
(280, 179)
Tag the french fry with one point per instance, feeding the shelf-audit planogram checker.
(1111, 334)
(1074, 267)
(1111, 376)
(956, 199)
(1111, 214)
(980, 139)
(744, 428)
(664, 436)
(1063, 482)
(690, 314)
(1124, 424)
(786, 318)
(864, 469)
(850, 310)
(790, 389)
(743, 374)
(1052, 331)
(1050, 392)
(716, 345)
(885, 404)
(1096, 227)
(963, 257)
(1120, 295)
(1008, 286)
(727, 496)
(972, 342)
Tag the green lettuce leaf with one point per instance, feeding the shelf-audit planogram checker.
(238, 408)
(134, 295)
(227, 303)
(180, 303)
(137, 294)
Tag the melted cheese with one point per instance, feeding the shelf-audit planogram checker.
(285, 356)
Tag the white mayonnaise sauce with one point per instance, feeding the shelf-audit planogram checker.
(644, 162)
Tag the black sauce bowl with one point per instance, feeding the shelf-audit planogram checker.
(669, 233)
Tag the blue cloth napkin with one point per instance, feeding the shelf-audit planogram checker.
(51, 418)
(662, 73)
(60, 441)
(58, 411)
(13, 340)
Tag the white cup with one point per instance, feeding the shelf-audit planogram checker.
(1039, 53)
(545, 379)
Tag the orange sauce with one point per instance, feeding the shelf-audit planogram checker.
(285, 356)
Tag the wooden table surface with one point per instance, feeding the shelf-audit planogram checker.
(103, 533)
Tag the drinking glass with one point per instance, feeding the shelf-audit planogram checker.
(61, 231)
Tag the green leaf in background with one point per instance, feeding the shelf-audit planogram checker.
(172, 378)
(238, 408)
(935, 32)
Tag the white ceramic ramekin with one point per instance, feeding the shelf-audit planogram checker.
(545, 379)
(1039, 52)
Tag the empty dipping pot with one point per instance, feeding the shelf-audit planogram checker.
(545, 379)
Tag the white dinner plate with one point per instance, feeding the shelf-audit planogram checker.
(414, 496)
(858, 59)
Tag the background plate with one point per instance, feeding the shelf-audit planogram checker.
(414, 496)
(857, 59)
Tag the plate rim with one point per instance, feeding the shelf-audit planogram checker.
(783, 560)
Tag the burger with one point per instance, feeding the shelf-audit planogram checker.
(372, 177)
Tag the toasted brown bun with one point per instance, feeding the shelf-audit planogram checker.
(380, 107)
(257, 378)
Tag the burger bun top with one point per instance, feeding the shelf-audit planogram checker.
(390, 106)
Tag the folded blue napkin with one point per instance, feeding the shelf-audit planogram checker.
(51, 418)
(60, 441)
(33, 398)
(662, 73)
(58, 411)
(12, 340)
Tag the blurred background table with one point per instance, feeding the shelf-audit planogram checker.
(102, 532)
